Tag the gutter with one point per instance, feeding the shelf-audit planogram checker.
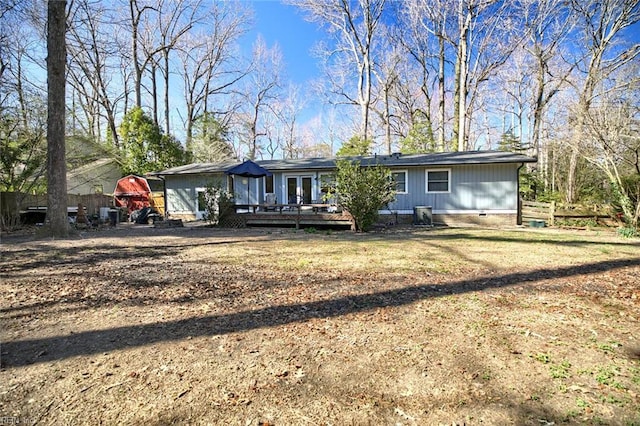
(164, 194)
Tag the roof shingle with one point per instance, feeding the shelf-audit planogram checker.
(394, 160)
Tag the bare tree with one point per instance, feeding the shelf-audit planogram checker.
(548, 26)
(427, 26)
(142, 25)
(137, 14)
(354, 26)
(466, 12)
(23, 98)
(494, 33)
(210, 66)
(320, 136)
(600, 22)
(92, 67)
(287, 113)
(482, 34)
(387, 75)
(612, 144)
(260, 90)
(174, 20)
(273, 135)
(56, 82)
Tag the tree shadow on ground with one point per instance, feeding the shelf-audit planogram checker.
(24, 352)
(83, 254)
(512, 235)
(42, 256)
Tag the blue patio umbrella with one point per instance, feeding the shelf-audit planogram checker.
(248, 169)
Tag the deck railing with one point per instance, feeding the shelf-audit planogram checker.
(297, 215)
(299, 208)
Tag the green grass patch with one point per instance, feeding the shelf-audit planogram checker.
(560, 371)
(610, 346)
(606, 376)
(542, 357)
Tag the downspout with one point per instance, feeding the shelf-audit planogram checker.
(519, 214)
(164, 194)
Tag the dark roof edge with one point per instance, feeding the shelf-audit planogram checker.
(393, 160)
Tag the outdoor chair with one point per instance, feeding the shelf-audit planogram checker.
(270, 201)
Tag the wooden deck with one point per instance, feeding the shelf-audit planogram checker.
(286, 215)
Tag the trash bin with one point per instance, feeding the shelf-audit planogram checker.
(113, 217)
(104, 214)
(422, 215)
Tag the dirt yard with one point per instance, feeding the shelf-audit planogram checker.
(277, 327)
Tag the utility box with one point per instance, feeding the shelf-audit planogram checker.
(423, 215)
(113, 217)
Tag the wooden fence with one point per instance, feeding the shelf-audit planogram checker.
(552, 212)
(13, 204)
(532, 210)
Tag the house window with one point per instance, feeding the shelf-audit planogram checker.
(400, 178)
(438, 180)
(230, 184)
(268, 184)
(327, 183)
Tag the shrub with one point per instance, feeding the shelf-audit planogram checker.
(363, 191)
(218, 203)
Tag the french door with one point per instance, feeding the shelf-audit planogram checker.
(299, 189)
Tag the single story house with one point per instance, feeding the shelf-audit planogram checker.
(459, 187)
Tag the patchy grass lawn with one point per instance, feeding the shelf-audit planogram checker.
(205, 326)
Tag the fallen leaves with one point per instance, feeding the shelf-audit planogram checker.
(261, 338)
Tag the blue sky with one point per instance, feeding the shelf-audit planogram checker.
(285, 25)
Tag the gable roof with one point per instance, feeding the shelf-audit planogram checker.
(329, 163)
(132, 186)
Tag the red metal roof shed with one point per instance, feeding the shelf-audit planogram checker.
(132, 192)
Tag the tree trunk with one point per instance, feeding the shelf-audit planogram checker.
(461, 66)
(56, 160)
(441, 89)
(188, 143)
(538, 106)
(571, 192)
(387, 119)
(456, 101)
(167, 127)
(135, 20)
(462, 62)
(253, 135)
(154, 91)
(364, 89)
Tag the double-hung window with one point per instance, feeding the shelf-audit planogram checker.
(400, 178)
(327, 183)
(268, 184)
(439, 180)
